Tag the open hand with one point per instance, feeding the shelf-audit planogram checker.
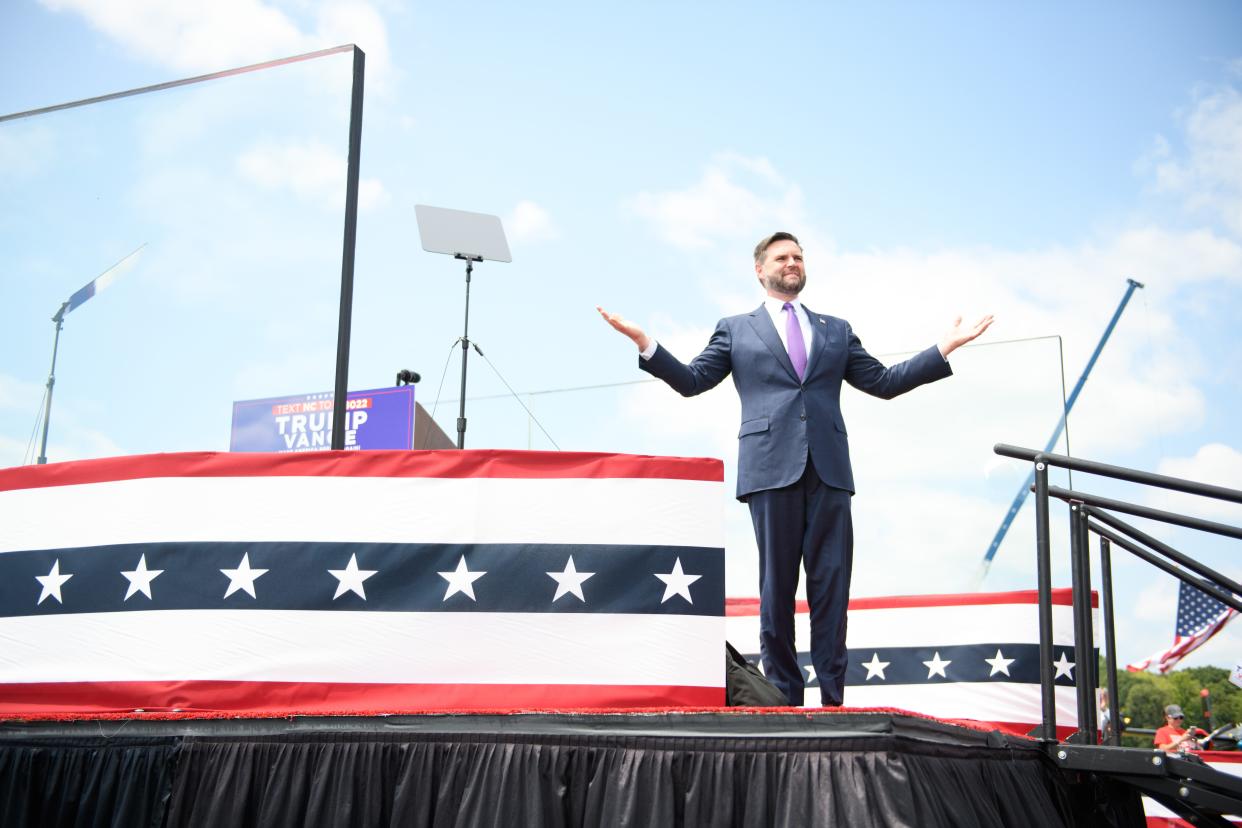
(626, 327)
(960, 334)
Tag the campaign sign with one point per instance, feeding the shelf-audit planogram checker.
(381, 418)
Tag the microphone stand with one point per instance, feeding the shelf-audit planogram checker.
(465, 350)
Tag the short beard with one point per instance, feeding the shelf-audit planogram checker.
(776, 283)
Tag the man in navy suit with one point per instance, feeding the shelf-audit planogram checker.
(793, 466)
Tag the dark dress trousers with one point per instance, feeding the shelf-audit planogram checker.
(794, 471)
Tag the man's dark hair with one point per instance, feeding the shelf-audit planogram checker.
(761, 248)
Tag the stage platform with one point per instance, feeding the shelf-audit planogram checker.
(717, 767)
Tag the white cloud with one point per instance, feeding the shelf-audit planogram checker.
(361, 24)
(1157, 602)
(194, 36)
(1216, 464)
(932, 492)
(312, 171)
(204, 37)
(901, 299)
(371, 194)
(17, 394)
(528, 222)
(736, 198)
(1209, 175)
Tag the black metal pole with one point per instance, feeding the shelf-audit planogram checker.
(1110, 642)
(159, 87)
(1168, 551)
(1089, 677)
(465, 354)
(1162, 481)
(59, 319)
(1081, 588)
(341, 390)
(1208, 586)
(1147, 512)
(1043, 567)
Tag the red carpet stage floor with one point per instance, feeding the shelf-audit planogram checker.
(720, 767)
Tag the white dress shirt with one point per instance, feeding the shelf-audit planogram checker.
(776, 309)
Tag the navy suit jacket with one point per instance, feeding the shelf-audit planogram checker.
(783, 420)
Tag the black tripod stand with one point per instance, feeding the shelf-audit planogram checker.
(471, 237)
(465, 350)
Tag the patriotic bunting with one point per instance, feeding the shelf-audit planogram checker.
(361, 581)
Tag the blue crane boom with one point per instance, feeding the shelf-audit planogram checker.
(1025, 488)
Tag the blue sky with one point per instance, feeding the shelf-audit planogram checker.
(936, 159)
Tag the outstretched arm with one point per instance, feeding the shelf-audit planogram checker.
(626, 327)
(702, 374)
(960, 334)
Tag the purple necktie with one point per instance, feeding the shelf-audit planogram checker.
(793, 338)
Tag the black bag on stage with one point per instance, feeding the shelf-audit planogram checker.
(745, 686)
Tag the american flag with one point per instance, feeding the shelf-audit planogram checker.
(1199, 617)
(352, 582)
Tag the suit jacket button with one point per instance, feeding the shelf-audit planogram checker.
(803, 418)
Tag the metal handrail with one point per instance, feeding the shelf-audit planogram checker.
(1090, 509)
(1226, 598)
(1162, 481)
(1135, 509)
(1083, 508)
(1167, 551)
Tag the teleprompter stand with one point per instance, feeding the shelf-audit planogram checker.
(470, 237)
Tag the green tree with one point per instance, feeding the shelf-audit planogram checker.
(1144, 706)
(1143, 697)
